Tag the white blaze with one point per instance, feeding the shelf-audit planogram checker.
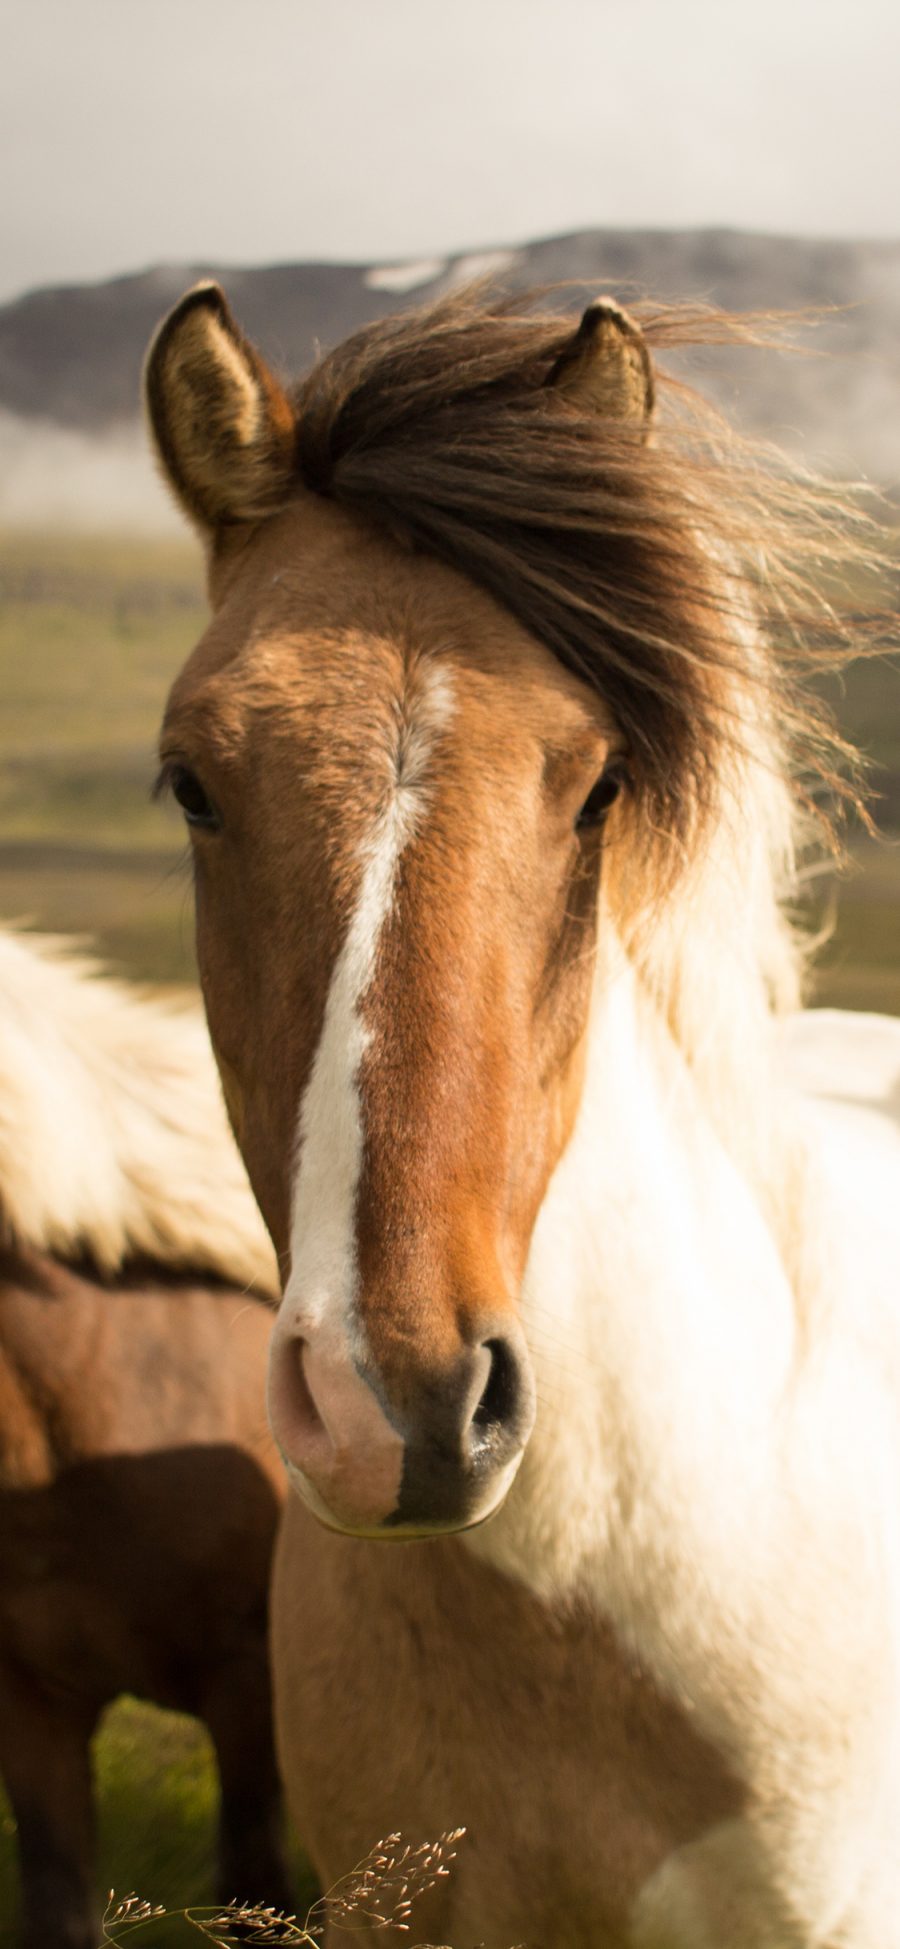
(323, 1278)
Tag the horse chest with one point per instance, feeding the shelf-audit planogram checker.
(419, 1689)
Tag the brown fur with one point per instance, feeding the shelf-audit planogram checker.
(339, 701)
(139, 1496)
(576, 1777)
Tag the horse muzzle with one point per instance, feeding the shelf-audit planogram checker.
(435, 1452)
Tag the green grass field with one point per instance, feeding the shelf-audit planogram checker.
(157, 1799)
(91, 633)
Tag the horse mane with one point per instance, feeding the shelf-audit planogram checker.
(114, 1144)
(638, 565)
(683, 578)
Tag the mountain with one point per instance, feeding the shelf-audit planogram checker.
(72, 356)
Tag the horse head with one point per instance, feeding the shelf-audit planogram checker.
(397, 798)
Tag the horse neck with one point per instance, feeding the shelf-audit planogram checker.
(660, 1316)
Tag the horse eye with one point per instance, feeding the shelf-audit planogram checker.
(601, 797)
(193, 800)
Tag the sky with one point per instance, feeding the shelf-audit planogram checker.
(135, 132)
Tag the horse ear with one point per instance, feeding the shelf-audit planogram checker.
(223, 426)
(606, 368)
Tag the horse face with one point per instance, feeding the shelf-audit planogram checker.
(395, 798)
(395, 912)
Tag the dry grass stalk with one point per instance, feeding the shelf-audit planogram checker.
(377, 1894)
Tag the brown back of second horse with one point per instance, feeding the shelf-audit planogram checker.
(139, 1492)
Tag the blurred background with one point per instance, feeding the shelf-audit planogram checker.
(330, 160)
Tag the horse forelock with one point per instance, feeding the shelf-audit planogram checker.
(637, 565)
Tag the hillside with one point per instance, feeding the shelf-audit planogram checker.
(72, 356)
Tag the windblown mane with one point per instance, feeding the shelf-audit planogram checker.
(641, 569)
(113, 1139)
(682, 578)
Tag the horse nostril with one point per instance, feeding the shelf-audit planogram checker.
(306, 1400)
(498, 1400)
(502, 1411)
(346, 1456)
(292, 1408)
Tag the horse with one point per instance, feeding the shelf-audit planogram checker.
(497, 761)
(139, 1488)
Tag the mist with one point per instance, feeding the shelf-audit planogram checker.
(53, 478)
